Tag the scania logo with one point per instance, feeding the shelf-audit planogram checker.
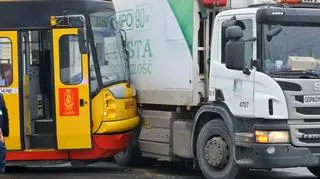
(316, 86)
(310, 136)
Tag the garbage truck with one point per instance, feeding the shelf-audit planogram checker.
(227, 85)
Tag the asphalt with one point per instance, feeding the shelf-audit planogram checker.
(158, 170)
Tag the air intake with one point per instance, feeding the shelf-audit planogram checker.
(288, 86)
(270, 107)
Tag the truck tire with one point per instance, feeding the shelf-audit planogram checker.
(126, 157)
(315, 171)
(131, 155)
(214, 152)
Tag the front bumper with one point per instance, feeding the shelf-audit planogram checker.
(103, 146)
(253, 155)
(284, 156)
(120, 126)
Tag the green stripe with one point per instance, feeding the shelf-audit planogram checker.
(183, 11)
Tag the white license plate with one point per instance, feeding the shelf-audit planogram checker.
(311, 99)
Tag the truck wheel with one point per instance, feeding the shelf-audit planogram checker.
(214, 152)
(126, 157)
(131, 155)
(315, 171)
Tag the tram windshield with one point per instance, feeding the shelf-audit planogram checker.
(109, 47)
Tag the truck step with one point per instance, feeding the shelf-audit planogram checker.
(154, 147)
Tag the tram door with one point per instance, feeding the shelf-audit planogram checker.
(9, 86)
(39, 129)
(71, 90)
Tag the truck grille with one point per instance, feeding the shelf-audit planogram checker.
(302, 135)
(295, 90)
(305, 110)
(310, 141)
(310, 132)
(304, 118)
(308, 110)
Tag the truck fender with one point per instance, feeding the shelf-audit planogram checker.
(218, 110)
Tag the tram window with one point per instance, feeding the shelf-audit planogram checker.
(6, 75)
(93, 76)
(70, 60)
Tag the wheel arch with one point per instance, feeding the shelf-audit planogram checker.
(207, 113)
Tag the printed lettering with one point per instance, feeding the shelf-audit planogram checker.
(9, 90)
(141, 68)
(312, 99)
(137, 18)
(244, 104)
(139, 49)
(125, 20)
(147, 50)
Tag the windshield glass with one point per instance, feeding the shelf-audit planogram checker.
(291, 50)
(110, 51)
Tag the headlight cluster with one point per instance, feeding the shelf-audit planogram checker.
(266, 137)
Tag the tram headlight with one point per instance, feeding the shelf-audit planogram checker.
(109, 107)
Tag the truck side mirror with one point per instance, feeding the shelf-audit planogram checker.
(82, 41)
(235, 48)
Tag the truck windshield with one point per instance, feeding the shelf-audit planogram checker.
(291, 51)
(109, 47)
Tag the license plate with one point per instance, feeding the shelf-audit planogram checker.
(311, 99)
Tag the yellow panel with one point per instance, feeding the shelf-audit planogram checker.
(118, 126)
(97, 111)
(114, 115)
(11, 96)
(26, 103)
(73, 129)
(120, 109)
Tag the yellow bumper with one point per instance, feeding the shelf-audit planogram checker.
(118, 126)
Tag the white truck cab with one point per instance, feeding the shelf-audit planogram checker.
(230, 85)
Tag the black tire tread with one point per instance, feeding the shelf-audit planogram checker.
(232, 171)
(129, 157)
(315, 171)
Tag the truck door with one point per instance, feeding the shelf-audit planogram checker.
(238, 88)
(9, 86)
(71, 90)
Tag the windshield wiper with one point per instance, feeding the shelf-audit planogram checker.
(312, 73)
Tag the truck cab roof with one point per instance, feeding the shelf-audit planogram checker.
(292, 14)
(241, 11)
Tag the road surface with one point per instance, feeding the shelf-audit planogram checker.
(106, 170)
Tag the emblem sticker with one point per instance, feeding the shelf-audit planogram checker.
(69, 101)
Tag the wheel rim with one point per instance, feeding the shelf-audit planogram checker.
(217, 153)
